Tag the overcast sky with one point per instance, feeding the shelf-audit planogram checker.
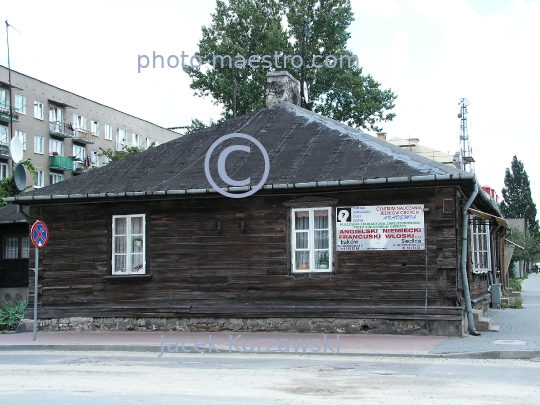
(430, 53)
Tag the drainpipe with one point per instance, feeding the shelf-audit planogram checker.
(494, 258)
(464, 231)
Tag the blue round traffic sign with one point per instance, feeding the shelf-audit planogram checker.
(39, 234)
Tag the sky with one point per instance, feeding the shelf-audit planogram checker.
(430, 53)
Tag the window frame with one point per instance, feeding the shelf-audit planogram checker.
(40, 179)
(55, 176)
(39, 151)
(21, 252)
(54, 145)
(120, 145)
(313, 266)
(20, 104)
(4, 167)
(129, 247)
(39, 106)
(94, 128)
(480, 245)
(108, 132)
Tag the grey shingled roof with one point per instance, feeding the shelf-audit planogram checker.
(303, 147)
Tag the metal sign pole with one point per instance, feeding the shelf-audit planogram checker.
(36, 292)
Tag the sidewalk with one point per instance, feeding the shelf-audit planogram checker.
(519, 337)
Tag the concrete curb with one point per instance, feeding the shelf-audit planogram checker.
(133, 348)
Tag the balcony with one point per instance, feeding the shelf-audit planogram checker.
(5, 115)
(60, 129)
(4, 150)
(82, 136)
(60, 162)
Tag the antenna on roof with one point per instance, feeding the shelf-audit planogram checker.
(466, 159)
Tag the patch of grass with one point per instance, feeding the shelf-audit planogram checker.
(503, 305)
(12, 312)
(518, 304)
(526, 276)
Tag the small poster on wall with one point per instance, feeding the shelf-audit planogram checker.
(380, 227)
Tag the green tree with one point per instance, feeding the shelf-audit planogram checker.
(116, 155)
(8, 187)
(517, 198)
(314, 27)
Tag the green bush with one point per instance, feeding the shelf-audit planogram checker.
(518, 304)
(12, 312)
(515, 283)
(525, 276)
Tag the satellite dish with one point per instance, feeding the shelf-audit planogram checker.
(459, 115)
(16, 150)
(19, 175)
(306, 98)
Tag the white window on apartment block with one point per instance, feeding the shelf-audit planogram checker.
(4, 171)
(4, 139)
(20, 104)
(22, 137)
(56, 114)
(79, 152)
(105, 160)
(79, 122)
(108, 132)
(94, 128)
(94, 155)
(128, 244)
(40, 179)
(121, 139)
(3, 100)
(56, 147)
(147, 143)
(311, 238)
(38, 144)
(38, 109)
(481, 253)
(55, 178)
(136, 140)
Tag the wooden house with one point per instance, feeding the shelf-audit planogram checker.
(349, 234)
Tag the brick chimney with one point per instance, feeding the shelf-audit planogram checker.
(282, 86)
(381, 136)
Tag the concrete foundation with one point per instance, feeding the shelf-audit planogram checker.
(292, 325)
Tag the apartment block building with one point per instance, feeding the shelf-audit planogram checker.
(62, 132)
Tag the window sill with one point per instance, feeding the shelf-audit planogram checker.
(139, 277)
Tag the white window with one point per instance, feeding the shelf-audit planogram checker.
(38, 109)
(94, 158)
(105, 160)
(20, 104)
(4, 172)
(157, 143)
(79, 122)
(22, 136)
(136, 140)
(38, 144)
(147, 143)
(108, 132)
(56, 178)
(128, 244)
(56, 147)
(4, 139)
(39, 182)
(121, 139)
(95, 128)
(56, 114)
(481, 253)
(79, 152)
(311, 240)
(3, 100)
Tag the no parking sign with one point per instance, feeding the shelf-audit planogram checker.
(39, 234)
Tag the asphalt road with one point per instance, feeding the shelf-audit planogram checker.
(122, 378)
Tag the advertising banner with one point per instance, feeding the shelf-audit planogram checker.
(380, 227)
